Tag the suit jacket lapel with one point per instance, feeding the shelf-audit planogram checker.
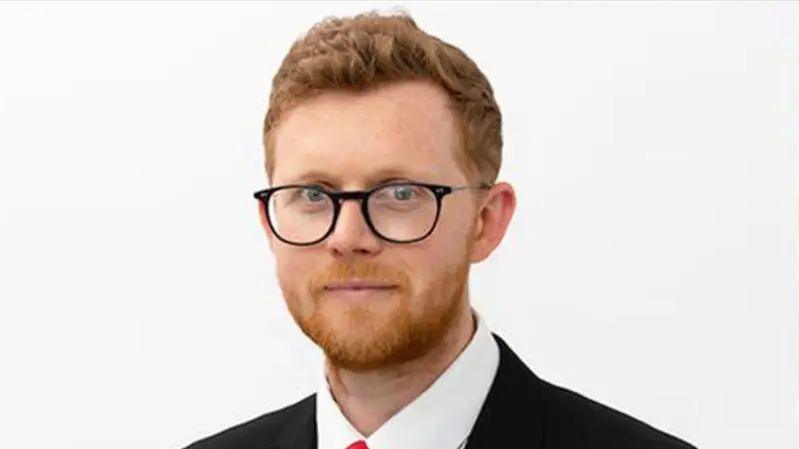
(300, 432)
(511, 413)
(509, 417)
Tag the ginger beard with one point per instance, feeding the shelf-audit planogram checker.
(388, 331)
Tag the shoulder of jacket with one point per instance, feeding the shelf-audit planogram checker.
(585, 422)
(262, 429)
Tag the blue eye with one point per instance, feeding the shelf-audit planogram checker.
(403, 192)
(313, 194)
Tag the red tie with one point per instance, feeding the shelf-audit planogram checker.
(360, 444)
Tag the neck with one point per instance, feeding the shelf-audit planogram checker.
(369, 398)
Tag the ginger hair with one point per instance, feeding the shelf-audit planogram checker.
(364, 51)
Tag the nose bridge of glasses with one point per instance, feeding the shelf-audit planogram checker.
(349, 195)
(340, 199)
(351, 228)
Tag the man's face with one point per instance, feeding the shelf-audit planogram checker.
(354, 141)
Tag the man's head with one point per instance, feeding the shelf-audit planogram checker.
(357, 103)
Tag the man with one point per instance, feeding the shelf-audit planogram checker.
(383, 146)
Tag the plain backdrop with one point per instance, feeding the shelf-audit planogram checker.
(651, 263)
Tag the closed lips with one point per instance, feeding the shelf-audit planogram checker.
(357, 285)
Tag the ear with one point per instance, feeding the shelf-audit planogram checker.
(265, 224)
(493, 216)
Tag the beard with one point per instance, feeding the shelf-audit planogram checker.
(366, 335)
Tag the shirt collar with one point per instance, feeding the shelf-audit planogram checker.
(424, 423)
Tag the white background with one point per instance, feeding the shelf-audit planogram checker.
(651, 264)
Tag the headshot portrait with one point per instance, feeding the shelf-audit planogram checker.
(423, 225)
(383, 145)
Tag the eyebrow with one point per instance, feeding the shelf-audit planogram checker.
(376, 178)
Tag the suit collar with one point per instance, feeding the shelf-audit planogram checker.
(509, 417)
(299, 431)
(511, 414)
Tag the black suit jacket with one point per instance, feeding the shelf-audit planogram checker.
(520, 411)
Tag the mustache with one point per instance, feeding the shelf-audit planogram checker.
(363, 270)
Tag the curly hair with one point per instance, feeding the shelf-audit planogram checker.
(369, 49)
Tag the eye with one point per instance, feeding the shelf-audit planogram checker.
(313, 194)
(404, 192)
(398, 194)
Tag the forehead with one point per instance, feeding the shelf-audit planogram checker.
(401, 129)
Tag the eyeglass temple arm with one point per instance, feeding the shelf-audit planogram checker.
(482, 185)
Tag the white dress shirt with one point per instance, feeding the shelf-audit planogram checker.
(439, 418)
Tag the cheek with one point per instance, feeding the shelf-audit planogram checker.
(293, 269)
(432, 262)
(450, 240)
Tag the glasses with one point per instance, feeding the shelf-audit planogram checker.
(399, 212)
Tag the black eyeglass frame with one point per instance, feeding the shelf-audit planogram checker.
(439, 191)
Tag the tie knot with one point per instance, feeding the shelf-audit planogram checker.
(360, 444)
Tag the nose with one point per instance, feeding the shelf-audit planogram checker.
(351, 233)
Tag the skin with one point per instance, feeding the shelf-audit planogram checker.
(384, 349)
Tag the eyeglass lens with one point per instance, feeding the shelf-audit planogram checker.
(399, 212)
